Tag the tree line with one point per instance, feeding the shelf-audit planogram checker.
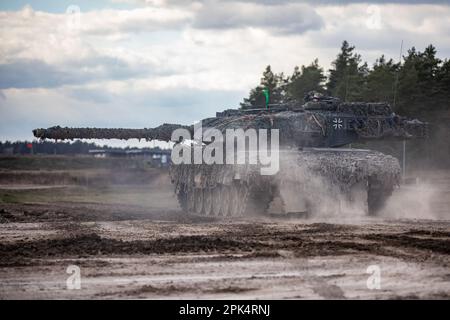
(52, 147)
(48, 147)
(418, 85)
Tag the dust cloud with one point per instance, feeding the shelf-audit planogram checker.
(321, 199)
(417, 198)
(302, 189)
(413, 201)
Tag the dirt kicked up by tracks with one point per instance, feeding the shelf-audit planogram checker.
(154, 250)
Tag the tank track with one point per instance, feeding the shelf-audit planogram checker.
(235, 200)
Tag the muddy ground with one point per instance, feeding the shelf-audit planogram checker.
(134, 242)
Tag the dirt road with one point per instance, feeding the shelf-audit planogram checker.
(153, 250)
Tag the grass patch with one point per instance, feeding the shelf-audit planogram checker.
(118, 194)
(9, 198)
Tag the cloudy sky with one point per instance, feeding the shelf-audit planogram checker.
(138, 63)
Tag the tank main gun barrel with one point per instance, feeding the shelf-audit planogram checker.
(162, 132)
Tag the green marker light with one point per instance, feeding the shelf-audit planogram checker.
(266, 95)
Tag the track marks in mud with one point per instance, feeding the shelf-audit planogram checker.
(90, 212)
(328, 291)
(94, 245)
(428, 233)
(431, 244)
(245, 239)
(153, 290)
(177, 289)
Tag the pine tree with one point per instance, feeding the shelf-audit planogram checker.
(420, 86)
(347, 77)
(270, 81)
(443, 84)
(408, 90)
(306, 79)
(380, 81)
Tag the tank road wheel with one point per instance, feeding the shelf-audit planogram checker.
(191, 201)
(312, 207)
(244, 198)
(182, 200)
(258, 201)
(208, 201)
(236, 200)
(216, 201)
(198, 201)
(226, 201)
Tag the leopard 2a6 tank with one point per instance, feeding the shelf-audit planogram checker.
(316, 164)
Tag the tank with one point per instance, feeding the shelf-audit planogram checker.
(318, 169)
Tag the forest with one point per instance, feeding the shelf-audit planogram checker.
(49, 147)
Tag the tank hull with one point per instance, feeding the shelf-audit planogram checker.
(311, 180)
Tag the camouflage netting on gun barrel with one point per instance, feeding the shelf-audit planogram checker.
(162, 132)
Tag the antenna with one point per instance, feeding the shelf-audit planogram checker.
(398, 71)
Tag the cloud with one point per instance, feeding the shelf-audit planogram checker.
(91, 95)
(159, 3)
(138, 20)
(39, 49)
(415, 25)
(33, 73)
(203, 45)
(289, 18)
(29, 74)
